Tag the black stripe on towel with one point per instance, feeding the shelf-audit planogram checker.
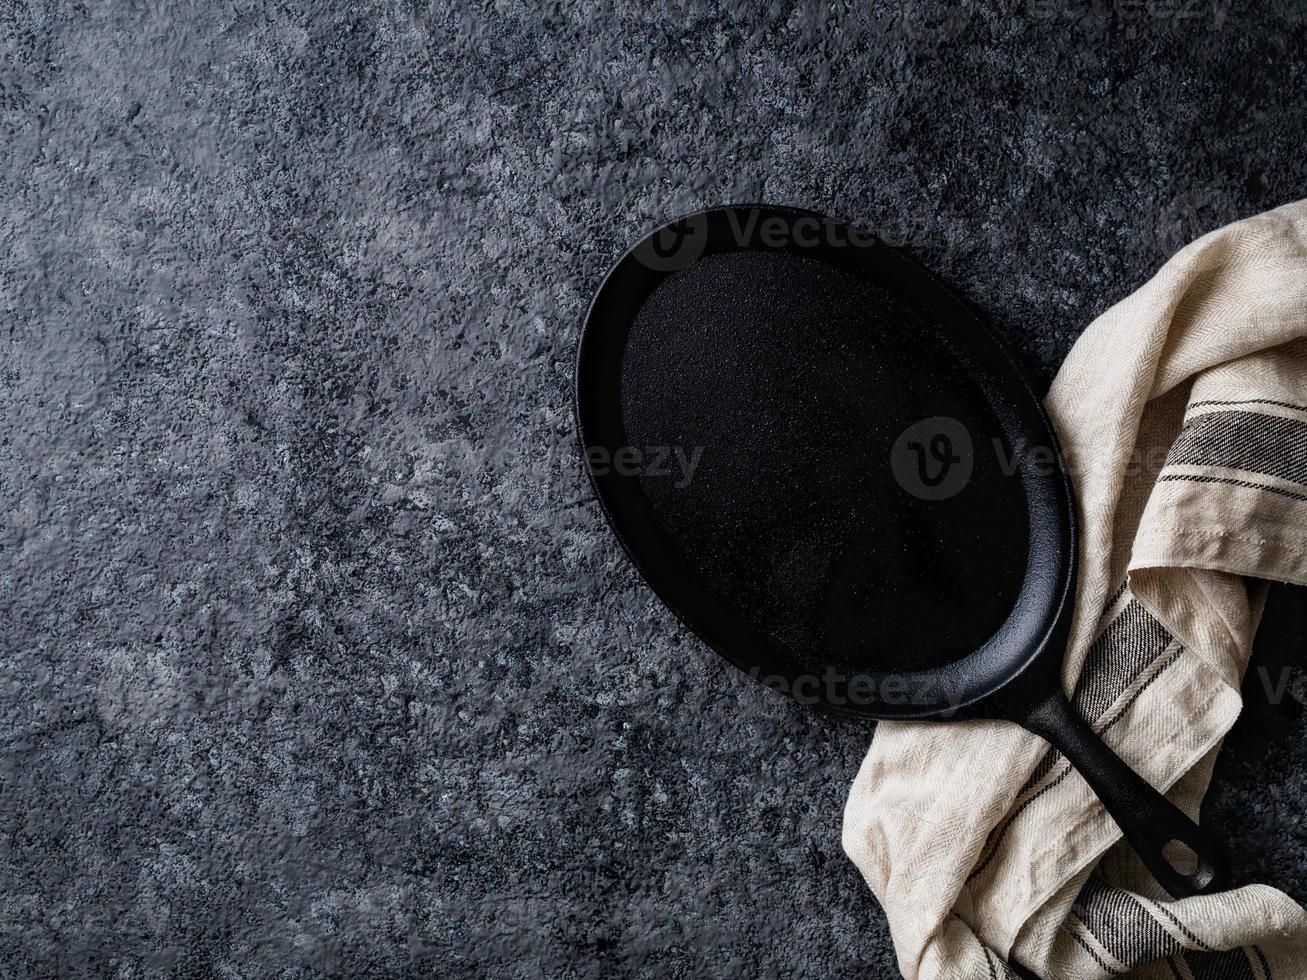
(1244, 441)
(1123, 651)
(1121, 923)
(1261, 958)
(1089, 949)
(1247, 484)
(1130, 931)
(1252, 401)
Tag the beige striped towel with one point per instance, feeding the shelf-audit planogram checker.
(1183, 415)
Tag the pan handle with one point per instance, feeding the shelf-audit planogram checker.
(1183, 857)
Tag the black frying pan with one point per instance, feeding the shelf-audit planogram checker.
(827, 467)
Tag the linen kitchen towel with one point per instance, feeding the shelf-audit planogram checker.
(1182, 412)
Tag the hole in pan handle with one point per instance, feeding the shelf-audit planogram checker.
(1183, 857)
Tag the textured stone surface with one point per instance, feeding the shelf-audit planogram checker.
(316, 652)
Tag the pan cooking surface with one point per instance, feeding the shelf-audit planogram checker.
(787, 381)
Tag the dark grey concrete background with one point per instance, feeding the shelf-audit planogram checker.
(317, 656)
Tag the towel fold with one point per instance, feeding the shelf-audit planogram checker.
(1182, 412)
